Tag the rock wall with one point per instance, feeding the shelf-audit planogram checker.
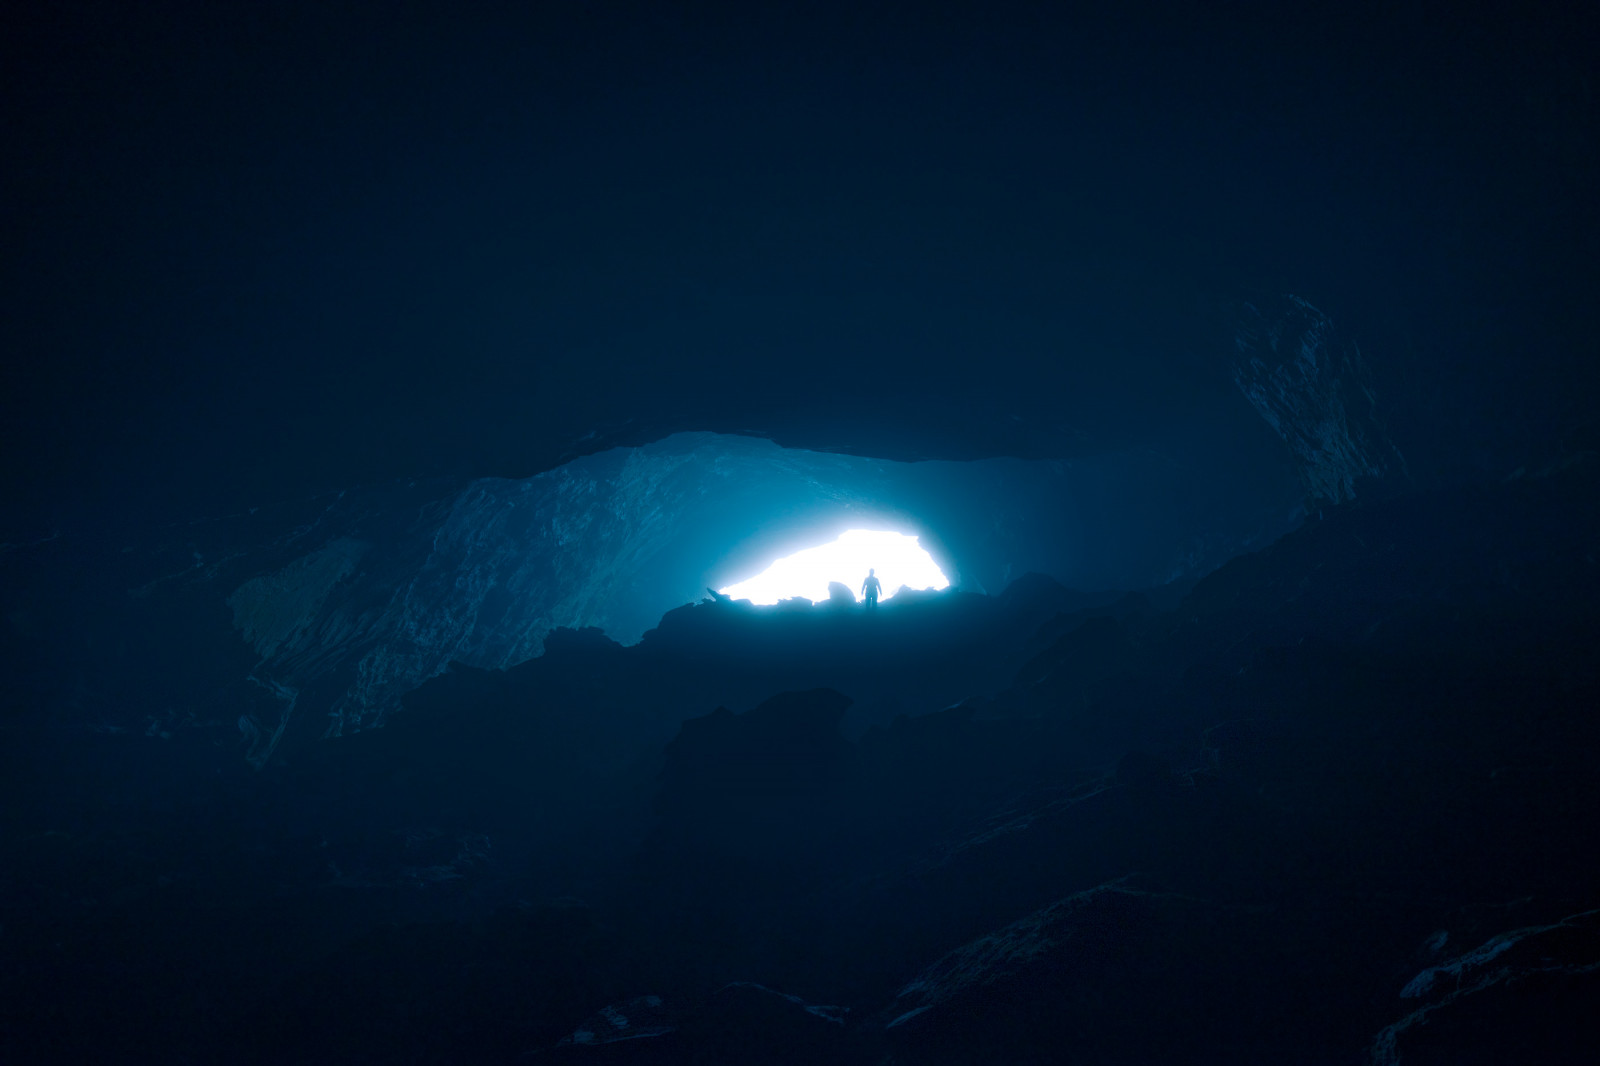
(1315, 392)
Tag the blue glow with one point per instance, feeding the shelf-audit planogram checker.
(897, 557)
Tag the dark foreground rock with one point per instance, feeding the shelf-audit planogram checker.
(1339, 802)
(1115, 974)
(1527, 995)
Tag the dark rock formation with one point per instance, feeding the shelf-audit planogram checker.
(1527, 995)
(1250, 826)
(740, 1022)
(1111, 974)
(788, 748)
(640, 1018)
(1315, 392)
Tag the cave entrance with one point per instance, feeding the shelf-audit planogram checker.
(899, 559)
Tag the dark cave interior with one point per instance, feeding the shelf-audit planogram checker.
(394, 387)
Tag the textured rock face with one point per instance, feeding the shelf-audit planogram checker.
(484, 576)
(1523, 996)
(274, 611)
(1314, 391)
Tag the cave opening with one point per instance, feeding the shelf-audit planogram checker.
(343, 606)
(616, 539)
(898, 561)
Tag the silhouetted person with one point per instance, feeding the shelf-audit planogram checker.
(871, 587)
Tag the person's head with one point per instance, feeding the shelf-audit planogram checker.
(870, 571)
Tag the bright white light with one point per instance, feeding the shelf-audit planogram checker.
(898, 559)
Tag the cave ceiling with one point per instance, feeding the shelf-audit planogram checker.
(252, 258)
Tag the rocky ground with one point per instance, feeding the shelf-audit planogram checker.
(1337, 803)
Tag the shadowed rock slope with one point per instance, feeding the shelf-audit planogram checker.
(1336, 804)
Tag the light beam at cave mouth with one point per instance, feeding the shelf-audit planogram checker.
(898, 558)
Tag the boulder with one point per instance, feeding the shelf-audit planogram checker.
(1527, 995)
